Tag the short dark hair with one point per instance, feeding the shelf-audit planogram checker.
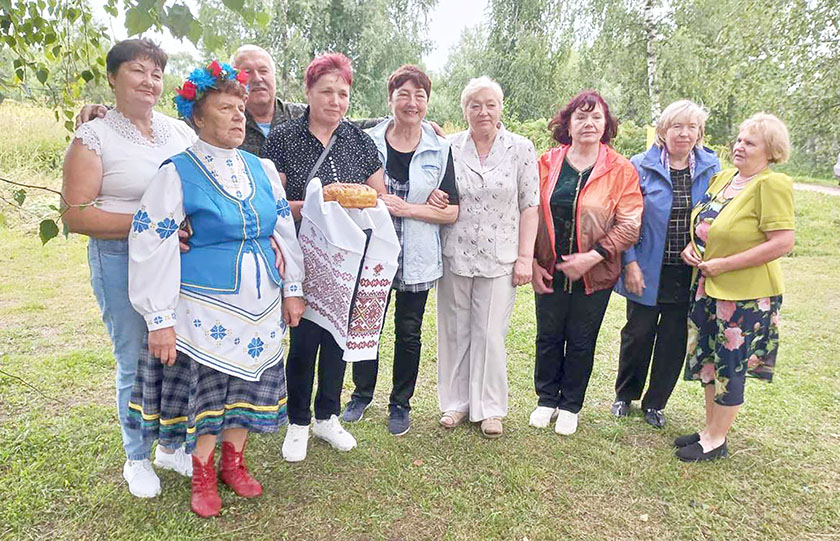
(132, 49)
(223, 86)
(586, 100)
(409, 72)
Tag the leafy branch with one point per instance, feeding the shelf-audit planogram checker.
(48, 228)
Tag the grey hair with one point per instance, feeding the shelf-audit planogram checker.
(478, 84)
(675, 110)
(251, 48)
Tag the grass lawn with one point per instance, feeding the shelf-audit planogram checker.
(61, 457)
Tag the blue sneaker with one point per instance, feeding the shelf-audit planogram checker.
(354, 411)
(399, 421)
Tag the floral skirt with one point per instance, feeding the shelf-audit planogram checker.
(730, 340)
(176, 404)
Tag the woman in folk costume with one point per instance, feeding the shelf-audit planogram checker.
(216, 314)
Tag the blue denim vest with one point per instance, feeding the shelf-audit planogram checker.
(225, 228)
(422, 260)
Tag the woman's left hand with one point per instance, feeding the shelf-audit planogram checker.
(279, 262)
(713, 267)
(574, 266)
(396, 205)
(293, 308)
(522, 270)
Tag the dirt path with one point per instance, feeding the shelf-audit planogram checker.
(830, 190)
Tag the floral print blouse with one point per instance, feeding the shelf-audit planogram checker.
(485, 240)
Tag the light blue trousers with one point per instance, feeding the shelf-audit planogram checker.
(108, 261)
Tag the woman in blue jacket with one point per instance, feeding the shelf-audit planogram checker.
(674, 174)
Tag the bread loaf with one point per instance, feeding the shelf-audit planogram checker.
(350, 196)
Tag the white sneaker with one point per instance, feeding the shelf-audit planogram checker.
(541, 416)
(294, 445)
(180, 461)
(566, 422)
(142, 480)
(331, 432)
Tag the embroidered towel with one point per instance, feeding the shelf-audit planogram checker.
(350, 257)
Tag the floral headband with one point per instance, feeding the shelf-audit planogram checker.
(203, 79)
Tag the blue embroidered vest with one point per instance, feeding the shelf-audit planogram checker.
(224, 228)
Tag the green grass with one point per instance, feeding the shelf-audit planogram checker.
(61, 458)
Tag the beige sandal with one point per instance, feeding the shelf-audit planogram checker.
(451, 419)
(491, 428)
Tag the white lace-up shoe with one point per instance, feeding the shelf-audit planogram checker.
(567, 423)
(294, 445)
(141, 478)
(331, 432)
(180, 461)
(541, 416)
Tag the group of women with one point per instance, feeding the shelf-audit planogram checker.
(197, 329)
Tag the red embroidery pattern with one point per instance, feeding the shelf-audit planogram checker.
(369, 309)
(327, 290)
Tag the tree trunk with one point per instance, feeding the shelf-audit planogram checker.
(653, 87)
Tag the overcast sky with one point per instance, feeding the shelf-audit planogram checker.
(446, 23)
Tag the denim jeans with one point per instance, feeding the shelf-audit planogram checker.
(108, 260)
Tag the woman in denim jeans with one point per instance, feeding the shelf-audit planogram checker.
(106, 170)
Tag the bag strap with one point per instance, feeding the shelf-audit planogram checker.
(318, 163)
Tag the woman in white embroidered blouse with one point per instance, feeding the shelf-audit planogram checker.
(106, 169)
(218, 313)
(487, 253)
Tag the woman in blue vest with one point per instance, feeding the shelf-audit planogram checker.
(216, 314)
(417, 162)
(674, 174)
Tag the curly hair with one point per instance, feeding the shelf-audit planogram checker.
(586, 100)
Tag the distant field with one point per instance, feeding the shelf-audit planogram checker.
(61, 458)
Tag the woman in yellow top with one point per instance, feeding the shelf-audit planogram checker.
(740, 229)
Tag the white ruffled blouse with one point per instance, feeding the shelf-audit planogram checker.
(239, 334)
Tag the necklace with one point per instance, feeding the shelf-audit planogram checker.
(739, 182)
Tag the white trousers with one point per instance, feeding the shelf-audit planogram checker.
(473, 315)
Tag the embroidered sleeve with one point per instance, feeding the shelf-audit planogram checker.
(87, 134)
(154, 265)
(285, 235)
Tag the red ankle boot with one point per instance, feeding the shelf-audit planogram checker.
(205, 501)
(235, 474)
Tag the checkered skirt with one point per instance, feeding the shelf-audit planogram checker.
(176, 404)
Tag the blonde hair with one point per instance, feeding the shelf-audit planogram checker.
(774, 132)
(676, 110)
(475, 86)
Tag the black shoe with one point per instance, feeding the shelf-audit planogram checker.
(694, 453)
(688, 439)
(620, 408)
(655, 418)
(399, 421)
(354, 411)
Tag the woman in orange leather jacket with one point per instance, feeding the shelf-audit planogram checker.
(590, 212)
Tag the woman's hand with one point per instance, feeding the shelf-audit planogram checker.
(279, 262)
(396, 205)
(293, 308)
(439, 199)
(713, 267)
(541, 279)
(89, 112)
(522, 270)
(634, 282)
(690, 256)
(162, 345)
(574, 266)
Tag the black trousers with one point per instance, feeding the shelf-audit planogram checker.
(308, 339)
(661, 330)
(567, 329)
(408, 320)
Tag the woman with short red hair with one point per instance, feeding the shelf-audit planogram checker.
(590, 213)
(323, 145)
